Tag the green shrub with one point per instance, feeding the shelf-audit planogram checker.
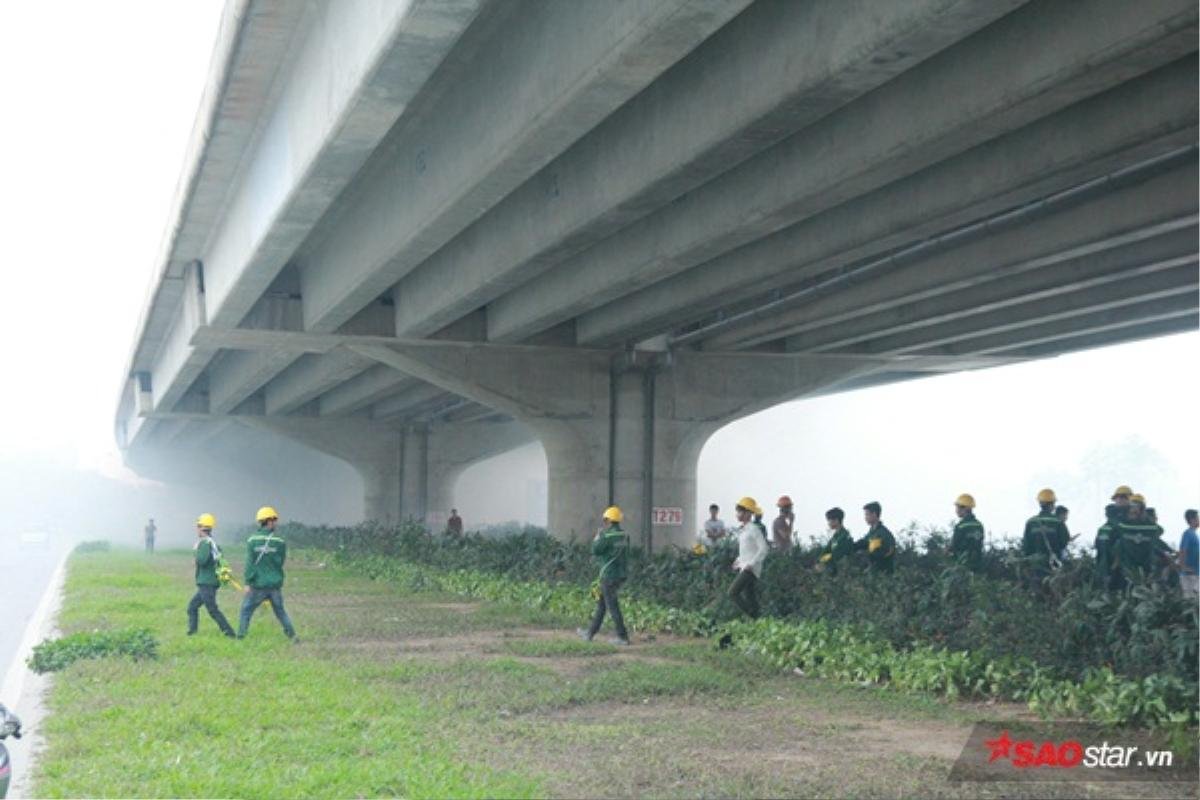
(53, 655)
(1066, 625)
(842, 652)
(94, 546)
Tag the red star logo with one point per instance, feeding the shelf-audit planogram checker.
(1001, 747)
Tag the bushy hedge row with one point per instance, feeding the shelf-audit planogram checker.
(841, 652)
(1066, 625)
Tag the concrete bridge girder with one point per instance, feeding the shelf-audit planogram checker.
(1065, 149)
(1157, 205)
(1070, 56)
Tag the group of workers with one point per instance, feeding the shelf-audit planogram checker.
(266, 552)
(1129, 543)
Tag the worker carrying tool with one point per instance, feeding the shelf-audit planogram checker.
(208, 580)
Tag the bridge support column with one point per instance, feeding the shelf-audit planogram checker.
(407, 473)
(375, 451)
(625, 428)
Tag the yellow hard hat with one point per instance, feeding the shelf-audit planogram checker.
(1047, 496)
(266, 513)
(750, 504)
(1138, 498)
(965, 500)
(206, 521)
(1122, 490)
(613, 514)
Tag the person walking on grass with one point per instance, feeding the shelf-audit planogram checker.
(150, 530)
(611, 550)
(208, 560)
(266, 551)
(752, 550)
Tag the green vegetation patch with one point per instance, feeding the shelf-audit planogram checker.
(259, 718)
(408, 687)
(53, 655)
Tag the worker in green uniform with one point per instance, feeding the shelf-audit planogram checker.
(1139, 543)
(879, 542)
(1045, 536)
(840, 544)
(266, 552)
(966, 543)
(1106, 551)
(208, 559)
(610, 548)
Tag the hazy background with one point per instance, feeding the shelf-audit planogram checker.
(99, 101)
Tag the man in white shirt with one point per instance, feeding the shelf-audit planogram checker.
(714, 529)
(752, 550)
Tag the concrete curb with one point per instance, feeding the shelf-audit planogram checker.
(27, 690)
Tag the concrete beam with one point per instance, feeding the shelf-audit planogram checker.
(355, 70)
(405, 403)
(526, 382)
(1138, 213)
(1143, 118)
(774, 69)
(1121, 331)
(1114, 318)
(1165, 288)
(363, 391)
(310, 377)
(174, 370)
(1118, 264)
(234, 376)
(535, 87)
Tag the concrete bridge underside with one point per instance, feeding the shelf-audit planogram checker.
(413, 234)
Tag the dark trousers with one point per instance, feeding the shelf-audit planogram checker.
(149, 544)
(255, 598)
(207, 596)
(608, 601)
(744, 592)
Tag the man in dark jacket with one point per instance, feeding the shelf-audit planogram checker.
(879, 542)
(208, 559)
(840, 545)
(266, 552)
(966, 543)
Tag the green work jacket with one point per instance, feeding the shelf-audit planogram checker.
(611, 550)
(265, 553)
(966, 543)
(1042, 531)
(1138, 541)
(206, 564)
(839, 546)
(883, 558)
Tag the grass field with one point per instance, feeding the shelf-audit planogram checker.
(396, 693)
